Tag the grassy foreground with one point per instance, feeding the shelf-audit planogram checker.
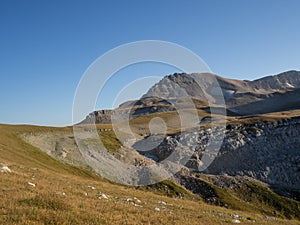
(42, 190)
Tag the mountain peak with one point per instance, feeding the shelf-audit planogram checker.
(282, 81)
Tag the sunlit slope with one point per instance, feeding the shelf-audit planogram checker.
(42, 190)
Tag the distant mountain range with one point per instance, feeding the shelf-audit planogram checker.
(242, 97)
(237, 93)
(231, 88)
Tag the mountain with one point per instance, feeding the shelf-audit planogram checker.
(235, 92)
(282, 81)
(190, 83)
(265, 95)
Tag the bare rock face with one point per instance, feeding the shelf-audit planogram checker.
(267, 151)
(237, 93)
(177, 85)
(199, 85)
(283, 81)
(98, 117)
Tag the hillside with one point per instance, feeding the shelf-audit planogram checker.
(41, 190)
(275, 102)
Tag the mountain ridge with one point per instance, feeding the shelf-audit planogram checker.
(239, 95)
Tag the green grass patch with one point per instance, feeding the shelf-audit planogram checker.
(264, 197)
(170, 189)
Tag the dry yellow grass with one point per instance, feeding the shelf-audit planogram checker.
(269, 117)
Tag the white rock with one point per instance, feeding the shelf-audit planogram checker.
(157, 209)
(137, 200)
(61, 193)
(31, 184)
(162, 202)
(103, 196)
(236, 221)
(5, 169)
(85, 193)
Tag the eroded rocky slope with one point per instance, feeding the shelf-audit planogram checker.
(267, 151)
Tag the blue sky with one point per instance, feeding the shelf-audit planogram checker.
(45, 46)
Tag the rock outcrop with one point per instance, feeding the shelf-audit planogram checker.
(266, 151)
(98, 117)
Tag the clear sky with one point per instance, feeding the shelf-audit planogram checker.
(45, 46)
